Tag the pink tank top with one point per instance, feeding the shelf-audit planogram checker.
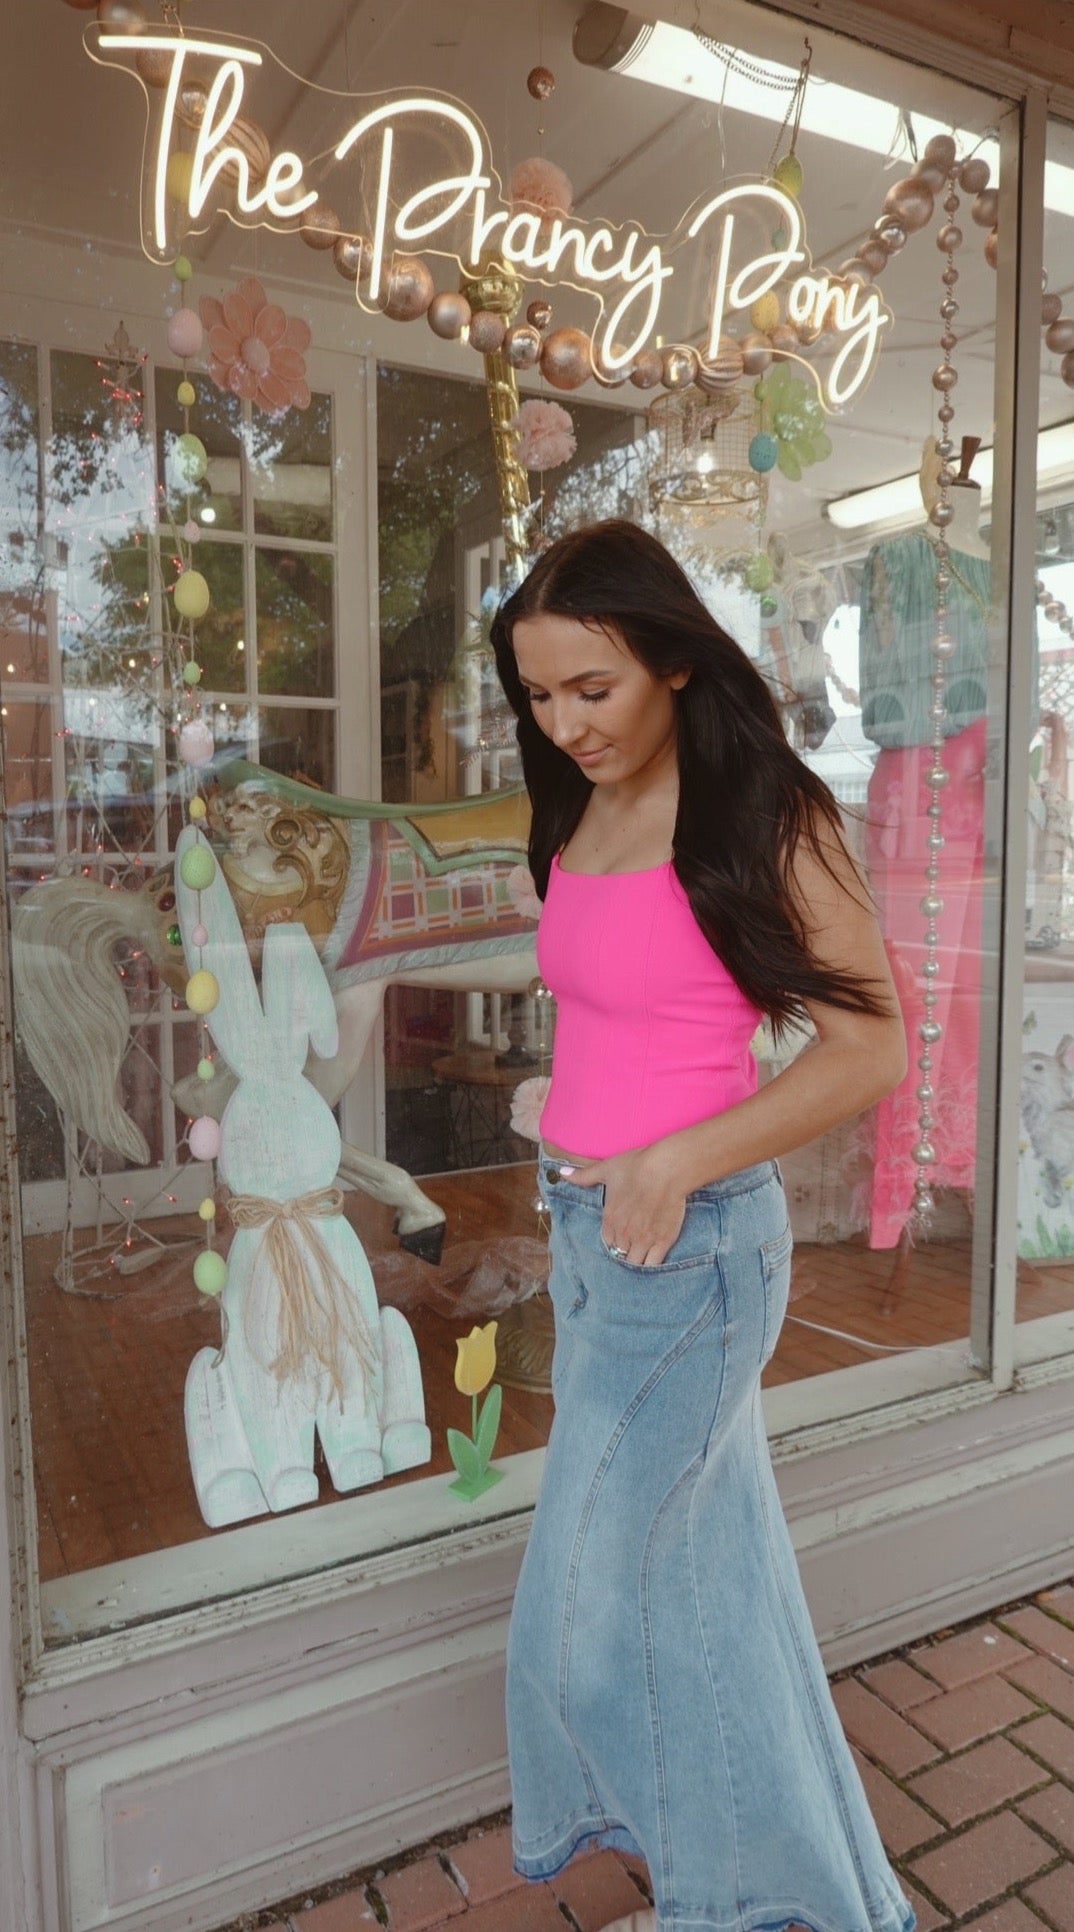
(652, 1033)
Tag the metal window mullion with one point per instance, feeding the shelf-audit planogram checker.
(1023, 141)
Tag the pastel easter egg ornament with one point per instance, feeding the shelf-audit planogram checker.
(197, 868)
(185, 334)
(196, 745)
(202, 992)
(210, 1273)
(191, 594)
(763, 452)
(204, 1138)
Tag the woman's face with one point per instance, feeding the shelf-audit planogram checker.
(594, 699)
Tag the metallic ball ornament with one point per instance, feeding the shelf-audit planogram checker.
(931, 174)
(756, 354)
(985, 209)
(522, 346)
(154, 64)
(487, 332)
(910, 203)
(891, 232)
(410, 289)
(941, 152)
(121, 16)
(784, 341)
(944, 378)
(349, 254)
(1060, 336)
(648, 369)
(567, 358)
(448, 314)
(723, 369)
(1051, 308)
(540, 83)
(855, 270)
(539, 313)
(991, 248)
(973, 175)
(1066, 370)
(874, 255)
(680, 367)
(320, 226)
(949, 238)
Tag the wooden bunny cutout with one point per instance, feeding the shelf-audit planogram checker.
(307, 1348)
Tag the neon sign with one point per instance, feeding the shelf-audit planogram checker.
(414, 171)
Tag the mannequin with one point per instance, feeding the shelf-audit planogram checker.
(898, 614)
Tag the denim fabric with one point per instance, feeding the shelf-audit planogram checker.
(665, 1692)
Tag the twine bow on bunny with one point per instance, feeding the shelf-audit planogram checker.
(317, 1317)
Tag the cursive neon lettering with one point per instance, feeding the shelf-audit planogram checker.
(624, 270)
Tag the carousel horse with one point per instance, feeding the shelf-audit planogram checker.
(434, 896)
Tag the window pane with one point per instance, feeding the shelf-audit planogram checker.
(291, 472)
(295, 621)
(216, 500)
(23, 639)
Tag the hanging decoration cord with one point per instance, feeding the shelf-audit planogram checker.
(930, 1030)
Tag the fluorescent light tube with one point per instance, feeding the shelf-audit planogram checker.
(901, 498)
(673, 57)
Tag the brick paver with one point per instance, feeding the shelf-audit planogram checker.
(597, 1890)
(880, 1731)
(965, 1746)
(972, 1653)
(978, 1780)
(419, 1896)
(899, 1684)
(1051, 1740)
(1049, 1683)
(1052, 1812)
(1011, 1916)
(483, 1867)
(901, 1822)
(1043, 1632)
(983, 1863)
(1054, 1896)
(960, 1717)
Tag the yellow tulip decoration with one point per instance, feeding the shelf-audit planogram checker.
(475, 1367)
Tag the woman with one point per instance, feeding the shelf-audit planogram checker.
(665, 1690)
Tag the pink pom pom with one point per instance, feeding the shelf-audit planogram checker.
(199, 936)
(185, 334)
(540, 188)
(545, 435)
(205, 1138)
(196, 745)
(520, 887)
(527, 1105)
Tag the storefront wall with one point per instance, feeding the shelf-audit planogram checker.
(333, 1691)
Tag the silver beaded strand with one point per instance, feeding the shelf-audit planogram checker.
(930, 1031)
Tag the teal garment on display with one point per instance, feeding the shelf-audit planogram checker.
(898, 622)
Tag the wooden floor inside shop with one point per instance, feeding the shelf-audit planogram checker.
(108, 1362)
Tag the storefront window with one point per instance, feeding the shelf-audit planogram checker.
(353, 521)
(1046, 1152)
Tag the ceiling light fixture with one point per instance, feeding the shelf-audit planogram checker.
(900, 500)
(674, 57)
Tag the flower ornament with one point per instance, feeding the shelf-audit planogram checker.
(527, 1106)
(545, 435)
(794, 419)
(255, 350)
(471, 1455)
(539, 187)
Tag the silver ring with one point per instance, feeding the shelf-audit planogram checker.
(618, 1254)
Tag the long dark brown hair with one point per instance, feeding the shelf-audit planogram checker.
(746, 800)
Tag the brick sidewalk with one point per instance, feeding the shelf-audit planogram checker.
(966, 1747)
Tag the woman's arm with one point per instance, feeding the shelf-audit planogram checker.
(854, 1060)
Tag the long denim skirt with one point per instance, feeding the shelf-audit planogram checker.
(665, 1692)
